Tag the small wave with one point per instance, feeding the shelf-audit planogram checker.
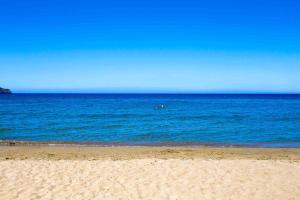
(201, 117)
(4, 130)
(111, 126)
(141, 137)
(237, 117)
(94, 115)
(73, 128)
(289, 118)
(125, 115)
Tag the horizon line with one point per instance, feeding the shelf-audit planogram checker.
(196, 93)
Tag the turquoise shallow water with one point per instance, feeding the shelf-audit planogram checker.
(250, 120)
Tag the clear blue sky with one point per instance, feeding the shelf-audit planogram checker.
(150, 46)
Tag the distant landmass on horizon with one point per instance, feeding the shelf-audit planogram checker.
(5, 91)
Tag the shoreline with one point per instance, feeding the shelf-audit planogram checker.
(151, 144)
(120, 144)
(69, 152)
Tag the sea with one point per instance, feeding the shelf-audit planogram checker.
(249, 120)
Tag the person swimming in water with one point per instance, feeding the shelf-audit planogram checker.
(160, 106)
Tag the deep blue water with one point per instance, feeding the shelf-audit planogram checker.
(251, 120)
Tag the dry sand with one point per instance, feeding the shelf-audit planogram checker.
(148, 173)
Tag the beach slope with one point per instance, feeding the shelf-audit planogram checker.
(148, 173)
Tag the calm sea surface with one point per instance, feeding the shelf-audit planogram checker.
(250, 120)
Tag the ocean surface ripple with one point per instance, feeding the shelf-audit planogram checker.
(250, 120)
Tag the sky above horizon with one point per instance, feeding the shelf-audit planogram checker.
(150, 46)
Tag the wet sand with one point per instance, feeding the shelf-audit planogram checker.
(85, 172)
(77, 152)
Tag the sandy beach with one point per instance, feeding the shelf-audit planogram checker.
(73, 172)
